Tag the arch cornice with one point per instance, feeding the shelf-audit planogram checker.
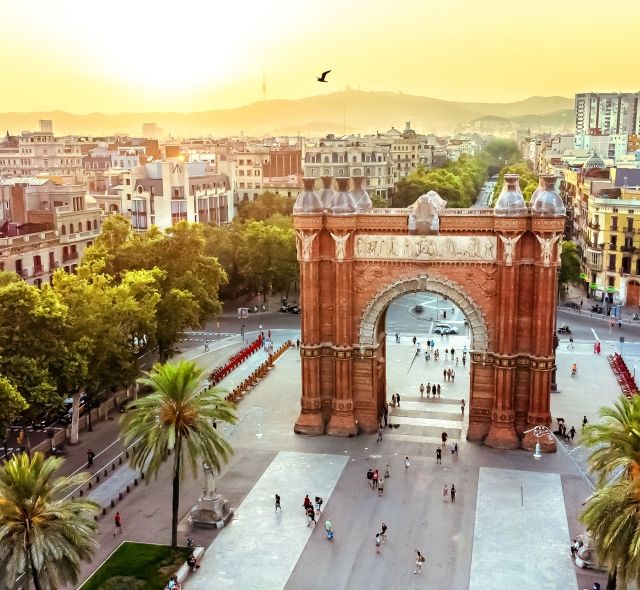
(452, 291)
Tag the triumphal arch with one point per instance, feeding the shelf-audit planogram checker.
(499, 266)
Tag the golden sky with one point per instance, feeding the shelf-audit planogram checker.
(191, 55)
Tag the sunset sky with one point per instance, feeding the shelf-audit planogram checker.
(190, 55)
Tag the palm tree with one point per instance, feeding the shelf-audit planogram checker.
(43, 535)
(177, 417)
(613, 511)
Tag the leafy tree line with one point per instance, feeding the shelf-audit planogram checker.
(459, 181)
(528, 180)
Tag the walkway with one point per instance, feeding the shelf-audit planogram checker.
(260, 548)
(521, 538)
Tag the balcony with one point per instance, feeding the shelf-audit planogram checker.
(595, 226)
(614, 228)
(23, 272)
(38, 269)
(69, 256)
(625, 270)
(629, 231)
(79, 236)
(593, 259)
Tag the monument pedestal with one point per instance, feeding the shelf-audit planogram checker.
(211, 513)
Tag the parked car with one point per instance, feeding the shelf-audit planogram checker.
(68, 411)
(445, 329)
(572, 305)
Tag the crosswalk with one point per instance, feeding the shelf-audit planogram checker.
(211, 336)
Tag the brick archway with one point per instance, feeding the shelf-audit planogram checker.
(452, 291)
(500, 271)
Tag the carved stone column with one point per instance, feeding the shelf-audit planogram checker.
(502, 433)
(542, 363)
(310, 420)
(342, 421)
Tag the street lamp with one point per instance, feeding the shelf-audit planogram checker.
(539, 431)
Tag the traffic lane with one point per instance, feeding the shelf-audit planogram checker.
(267, 319)
(582, 327)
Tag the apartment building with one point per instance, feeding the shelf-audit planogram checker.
(40, 152)
(598, 113)
(605, 203)
(44, 225)
(162, 193)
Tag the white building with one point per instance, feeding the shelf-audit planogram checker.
(163, 193)
(39, 152)
(607, 113)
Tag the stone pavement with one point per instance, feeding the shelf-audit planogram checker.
(261, 546)
(520, 549)
(412, 504)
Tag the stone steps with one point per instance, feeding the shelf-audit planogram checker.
(418, 439)
(408, 426)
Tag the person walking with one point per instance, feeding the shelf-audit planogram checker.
(420, 559)
(444, 374)
(381, 486)
(370, 478)
(453, 376)
(453, 351)
(464, 361)
(462, 405)
(311, 516)
(278, 507)
(319, 502)
(398, 399)
(383, 532)
(307, 503)
(455, 449)
(385, 412)
(443, 436)
(117, 521)
(570, 345)
(378, 542)
(428, 389)
(206, 345)
(421, 390)
(446, 354)
(453, 494)
(406, 464)
(438, 456)
(572, 432)
(584, 422)
(298, 344)
(445, 493)
(90, 456)
(376, 477)
(397, 338)
(414, 340)
(438, 390)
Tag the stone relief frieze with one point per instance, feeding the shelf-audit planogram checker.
(426, 248)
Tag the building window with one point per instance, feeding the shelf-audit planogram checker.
(71, 229)
(178, 211)
(63, 230)
(80, 226)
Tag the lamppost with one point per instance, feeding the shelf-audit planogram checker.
(539, 431)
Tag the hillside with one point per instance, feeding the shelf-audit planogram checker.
(351, 110)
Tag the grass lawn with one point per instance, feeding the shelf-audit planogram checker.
(137, 566)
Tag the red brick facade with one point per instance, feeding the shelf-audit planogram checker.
(509, 303)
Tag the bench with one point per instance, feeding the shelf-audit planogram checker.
(184, 570)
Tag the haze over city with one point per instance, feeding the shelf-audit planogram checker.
(160, 56)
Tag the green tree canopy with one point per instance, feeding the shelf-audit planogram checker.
(612, 513)
(569, 264)
(43, 535)
(264, 206)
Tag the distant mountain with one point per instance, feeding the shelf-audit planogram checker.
(556, 121)
(352, 110)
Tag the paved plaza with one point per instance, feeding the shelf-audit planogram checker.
(261, 549)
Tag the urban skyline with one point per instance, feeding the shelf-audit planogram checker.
(148, 57)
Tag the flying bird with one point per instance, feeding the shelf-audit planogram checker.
(324, 75)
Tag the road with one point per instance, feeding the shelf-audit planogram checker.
(485, 194)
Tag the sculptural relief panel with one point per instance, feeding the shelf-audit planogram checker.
(426, 248)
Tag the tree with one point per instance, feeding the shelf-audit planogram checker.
(12, 404)
(612, 513)
(264, 206)
(36, 354)
(569, 264)
(178, 418)
(107, 319)
(276, 266)
(43, 535)
(188, 284)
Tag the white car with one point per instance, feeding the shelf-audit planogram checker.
(445, 329)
